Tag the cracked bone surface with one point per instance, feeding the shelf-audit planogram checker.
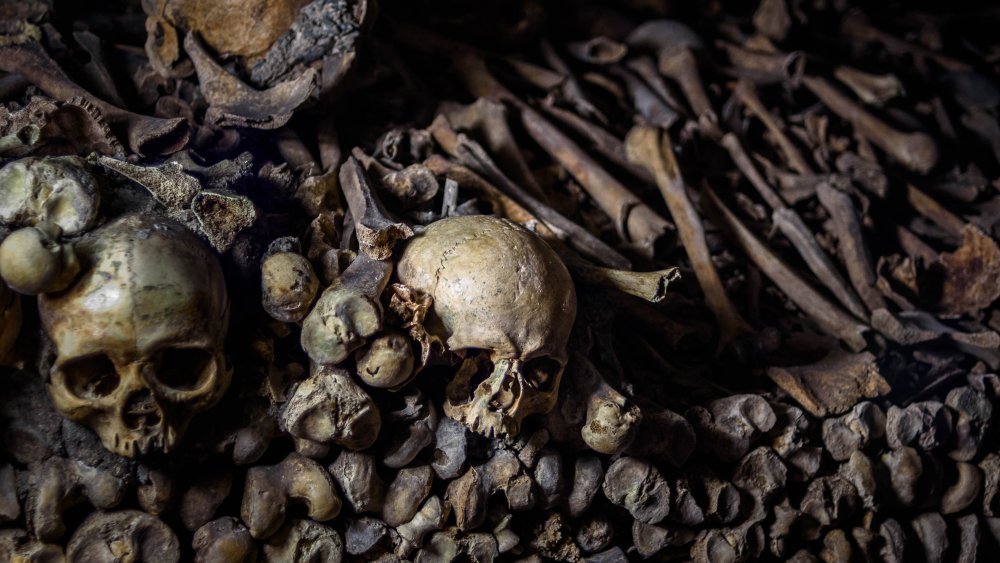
(520, 310)
(139, 336)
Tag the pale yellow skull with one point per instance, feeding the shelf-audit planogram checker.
(139, 335)
(498, 288)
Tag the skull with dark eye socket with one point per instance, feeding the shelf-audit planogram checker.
(139, 337)
(504, 300)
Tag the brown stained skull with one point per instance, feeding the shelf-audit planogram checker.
(500, 290)
(139, 336)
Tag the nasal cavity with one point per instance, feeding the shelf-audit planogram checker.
(141, 411)
(504, 398)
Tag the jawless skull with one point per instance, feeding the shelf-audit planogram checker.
(139, 336)
(504, 299)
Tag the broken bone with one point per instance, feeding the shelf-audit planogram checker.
(377, 232)
(834, 384)
(650, 286)
(219, 216)
(146, 135)
(234, 103)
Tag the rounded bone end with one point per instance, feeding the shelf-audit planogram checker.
(338, 325)
(388, 362)
(611, 427)
(288, 286)
(330, 408)
(270, 489)
(964, 490)
(33, 261)
(104, 537)
(918, 152)
(224, 540)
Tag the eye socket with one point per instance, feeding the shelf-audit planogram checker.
(183, 368)
(91, 377)
(542, 373)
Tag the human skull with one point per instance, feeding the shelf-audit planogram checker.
(139, 336)
(497, 288)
